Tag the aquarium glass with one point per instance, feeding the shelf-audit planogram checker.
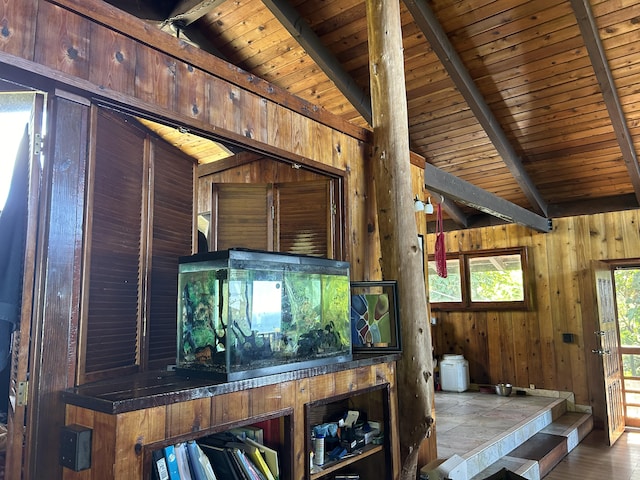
(254, 313)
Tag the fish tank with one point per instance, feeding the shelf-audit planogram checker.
(246, 313)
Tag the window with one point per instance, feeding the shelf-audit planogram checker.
(481, 280)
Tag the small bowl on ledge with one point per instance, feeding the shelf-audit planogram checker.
(503, 389)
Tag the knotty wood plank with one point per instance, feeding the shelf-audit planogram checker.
(155, 77)
(19, 27)
(113, 60)
(62, 40)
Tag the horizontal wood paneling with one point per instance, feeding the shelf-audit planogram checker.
(526, 347)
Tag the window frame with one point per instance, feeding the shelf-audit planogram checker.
(465, 281)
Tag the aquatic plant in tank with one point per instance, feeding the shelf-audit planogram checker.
(245, 313)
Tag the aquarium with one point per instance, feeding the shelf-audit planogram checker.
(246, 313)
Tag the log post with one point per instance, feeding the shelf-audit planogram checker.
(401, 254)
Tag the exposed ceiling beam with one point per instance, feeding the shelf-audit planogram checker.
(188, 11)
(454, 211)
(457, 189)
(306, 37)
(589, 29)
(437, 37)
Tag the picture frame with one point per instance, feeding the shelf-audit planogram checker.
(374, 317)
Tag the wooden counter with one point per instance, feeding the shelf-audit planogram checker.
(133, 415)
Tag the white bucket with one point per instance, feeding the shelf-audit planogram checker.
(454, 373)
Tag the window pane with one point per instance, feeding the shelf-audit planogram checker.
(628, 303)
(445, 289)
(631, 365)
(496, 279)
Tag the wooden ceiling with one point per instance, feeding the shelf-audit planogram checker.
(534, 103)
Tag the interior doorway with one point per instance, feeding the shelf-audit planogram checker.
(627, 288)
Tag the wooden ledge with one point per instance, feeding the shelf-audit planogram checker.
(156, 388)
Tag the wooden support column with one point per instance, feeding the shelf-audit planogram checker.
(401, 256)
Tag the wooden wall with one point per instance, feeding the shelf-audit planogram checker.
(181, 83)
(526, 348)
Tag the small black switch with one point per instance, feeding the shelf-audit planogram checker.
(75, 447)
(567, 337)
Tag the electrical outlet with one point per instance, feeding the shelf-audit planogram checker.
(532, 386)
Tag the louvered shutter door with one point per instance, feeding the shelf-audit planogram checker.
(172, 218)
(241, 216)
(304, 218)
(114, 299)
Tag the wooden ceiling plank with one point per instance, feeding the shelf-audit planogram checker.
(310, 42)
(439, 42)
(589, 29)
(454, 188)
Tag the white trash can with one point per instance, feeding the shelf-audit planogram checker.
(454, 373)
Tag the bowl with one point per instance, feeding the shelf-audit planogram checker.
(503, 389)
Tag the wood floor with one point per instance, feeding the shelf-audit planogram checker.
(592, 459)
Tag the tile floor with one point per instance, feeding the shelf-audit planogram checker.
(469, 421)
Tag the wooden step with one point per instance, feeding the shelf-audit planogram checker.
(544, 448)
(537, 456)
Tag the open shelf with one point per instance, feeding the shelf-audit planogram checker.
(371, 459)
(332, 466)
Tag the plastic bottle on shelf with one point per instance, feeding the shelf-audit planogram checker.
(318, 450)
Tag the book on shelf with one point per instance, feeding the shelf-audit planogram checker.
(254, 433)
(200, 466)
(270, 457)
(172, 462)
(159, 471)
(222, 463)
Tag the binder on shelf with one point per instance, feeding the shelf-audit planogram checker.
(160, 471)
(246, 466)
(172, 462)
(221, 462)
(270, 458)
(197, 468)
(253, 452)
(183, 461)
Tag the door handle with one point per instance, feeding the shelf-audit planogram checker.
(599, 351)
(599, 333)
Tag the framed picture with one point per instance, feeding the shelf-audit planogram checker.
(374, 317)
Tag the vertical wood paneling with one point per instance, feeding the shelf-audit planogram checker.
(135, 429)
(191, 416)
(155, 77)
(193, 92)
(59, 290)
(231, 407)
(279, 126)
(62, 40)
(17, 28)
(527, 347)
(113, 60)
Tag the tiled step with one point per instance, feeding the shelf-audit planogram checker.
(530, 449)
(537, 456)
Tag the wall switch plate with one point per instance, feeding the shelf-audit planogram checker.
(567, 337)
(75, 447)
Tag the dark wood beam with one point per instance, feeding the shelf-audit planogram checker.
(454, 211)
(437, 37)
(589, 29)
(457, 189)
(306, 37)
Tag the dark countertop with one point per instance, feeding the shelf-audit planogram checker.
(157, 388)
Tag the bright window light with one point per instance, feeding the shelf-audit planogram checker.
(15, 109)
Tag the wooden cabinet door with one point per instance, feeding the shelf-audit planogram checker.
(29, 160)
